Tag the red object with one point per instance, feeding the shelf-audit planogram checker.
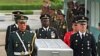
(67, 37)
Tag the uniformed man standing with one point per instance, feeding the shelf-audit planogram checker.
(46, 32)
(21, 42)
(13, 27)
(71, 13)
(62, 28)
(82, 42)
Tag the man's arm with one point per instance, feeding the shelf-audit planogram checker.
(10, 51)
(93, 46)
(7, 36)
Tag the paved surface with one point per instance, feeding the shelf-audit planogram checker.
(33, 22)
(2, 43)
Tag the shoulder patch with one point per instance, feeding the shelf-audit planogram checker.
(13, 32)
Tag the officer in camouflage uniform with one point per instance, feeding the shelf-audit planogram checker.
(46, 32)
(13, 27)
(62, 28)
(22, 41)
(53, 21)
(71, 13)
(82, 42)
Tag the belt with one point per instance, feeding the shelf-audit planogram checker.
(21, 53)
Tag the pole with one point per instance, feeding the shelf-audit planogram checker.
(86, 8)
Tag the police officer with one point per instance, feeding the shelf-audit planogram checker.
(21, 42)
(82, 42)
(13, 27)
(46, 32)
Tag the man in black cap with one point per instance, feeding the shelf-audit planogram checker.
(16, 13)
(83, 43)
(13, 27)
(21, 41)
(46, 32)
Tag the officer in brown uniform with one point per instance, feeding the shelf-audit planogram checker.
(71, 13)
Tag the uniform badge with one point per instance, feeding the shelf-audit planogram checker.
(14, 26)
(88, 43)
(42, 30)
(29, 45)
(22, 53)
(88, 47)
(86, 34)
(53, 35)
(16, 44)
(76, 40)
(71, 11)
(77, 34)
(40, 34)
(83, 18)
(31, 31)
(64, 27)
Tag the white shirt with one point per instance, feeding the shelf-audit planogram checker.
(46, 28)
(81, 34)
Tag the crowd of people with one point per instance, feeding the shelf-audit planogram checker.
(20, 40)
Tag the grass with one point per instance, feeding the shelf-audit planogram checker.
(25, 4)
(2, 2)
(10, 11)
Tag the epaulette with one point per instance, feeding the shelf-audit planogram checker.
(12, 32)
(31, 31)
